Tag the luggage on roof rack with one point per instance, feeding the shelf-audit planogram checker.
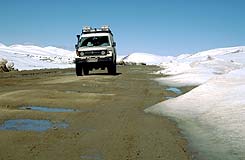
(103, 29)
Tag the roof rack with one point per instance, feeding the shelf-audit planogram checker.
(103, 29)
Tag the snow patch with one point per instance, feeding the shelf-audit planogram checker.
(149, 59)
(198, 68)
(219, 51)
(213, 114)
(28, 57)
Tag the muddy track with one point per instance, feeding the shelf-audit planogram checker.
(108, 124)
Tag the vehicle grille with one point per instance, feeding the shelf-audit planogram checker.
(88, 53)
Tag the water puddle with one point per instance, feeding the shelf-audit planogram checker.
(173, 89)
(60, 125)
(46, 109)
(31, 125)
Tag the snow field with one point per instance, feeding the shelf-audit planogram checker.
(213, 114)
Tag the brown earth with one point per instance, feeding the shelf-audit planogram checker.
(110, 123)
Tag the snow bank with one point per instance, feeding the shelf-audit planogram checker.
(198, 68)
(213, 114)
(149, 59)
(195, 73)
(28, 57)
(219, 52)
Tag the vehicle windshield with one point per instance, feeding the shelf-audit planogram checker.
(94, 41)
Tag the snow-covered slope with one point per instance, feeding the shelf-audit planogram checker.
(27, 57)
(220, 52)
(198, 68)
(149, 59)
(213, 114)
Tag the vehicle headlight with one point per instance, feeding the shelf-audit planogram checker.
(103, 52)
(110, 52)
(81, 53)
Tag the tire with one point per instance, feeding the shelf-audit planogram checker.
(112, 69)
(85, 71)
(79, 69)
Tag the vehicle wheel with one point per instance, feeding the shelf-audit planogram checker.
(112, 69)
(79, 69)
(85, 70)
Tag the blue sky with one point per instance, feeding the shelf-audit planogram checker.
(164, 27)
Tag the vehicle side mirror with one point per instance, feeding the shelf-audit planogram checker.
(114, 44)
(78, 37)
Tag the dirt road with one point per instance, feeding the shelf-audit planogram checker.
(108, 122)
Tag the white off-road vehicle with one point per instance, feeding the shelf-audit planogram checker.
(95, 49)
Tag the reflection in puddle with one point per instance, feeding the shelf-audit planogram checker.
(31, 125)
(60, 125)
(173, 89)
(46, 109)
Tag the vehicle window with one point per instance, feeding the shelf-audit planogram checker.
(94, 41)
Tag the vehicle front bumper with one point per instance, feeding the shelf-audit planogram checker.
(91, 63)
